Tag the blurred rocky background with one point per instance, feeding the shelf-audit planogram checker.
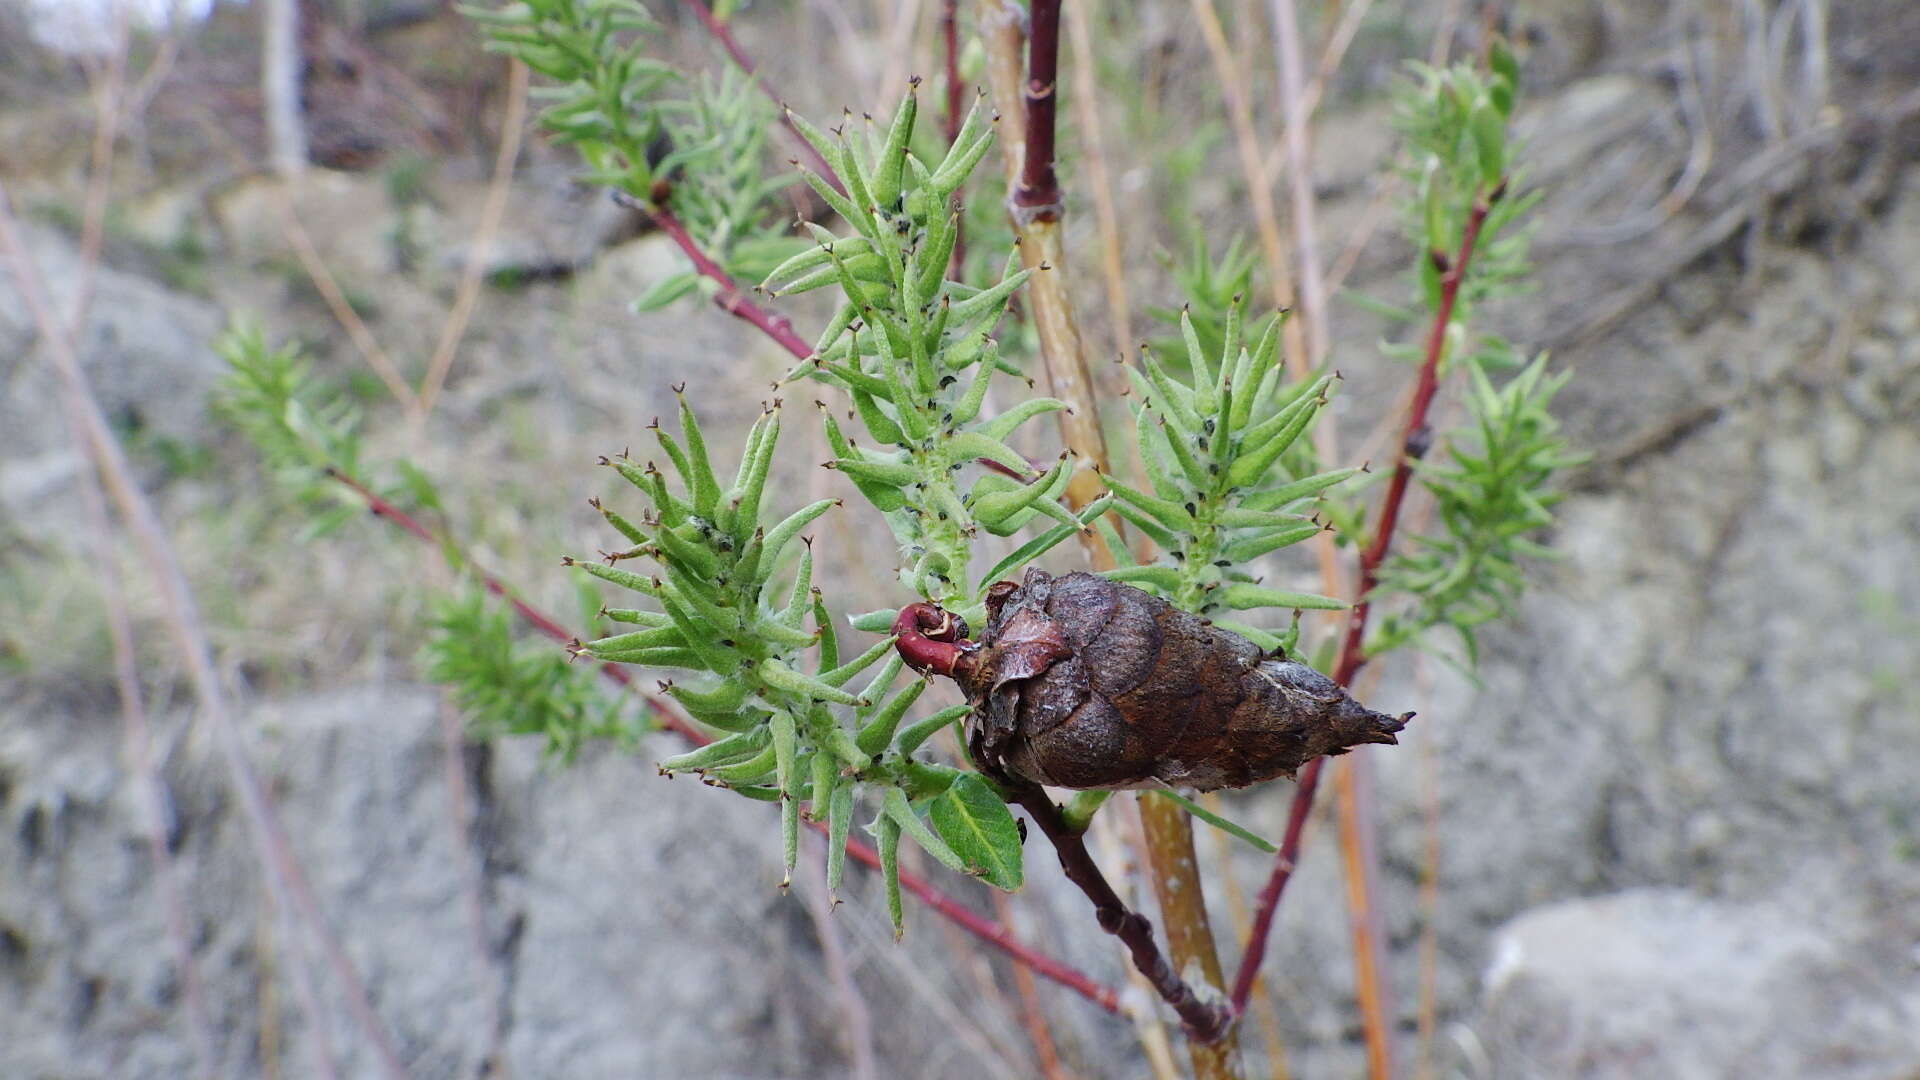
(1671, 830)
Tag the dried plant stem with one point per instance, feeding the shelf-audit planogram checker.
(284, 874)
(992, 933)
(1183, 908)
(1118, 836)
(512, 124)
(108, 90)
(1261, 1002)
(1273, 246)
(336, 300)
(955, 108)
(1351, 657)
(1354, 803)
(1259, 180)
(1297, 114)
(718, 30)
(1428, 1006)
(1032, 1015)
(1086, 114)
(1353, 790)
(858, 1031)
(1034, 202)
(138, 736)
(137, 729)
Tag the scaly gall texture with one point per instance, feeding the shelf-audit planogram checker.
(1082, 682)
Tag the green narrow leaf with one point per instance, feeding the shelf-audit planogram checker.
(902, 813)
(785, 744)
(839, 824)
(1218, 822)
(918, 733)
(727, 751)
(886, 837)
(893, 154)
(1004, 425)
(1165, 578)
(782, 534)
(705, 489)
(1043, 543)
(820, 793)
(888, 473)
(839, 675)
(878, 423)
(781, 677)
(1242, 595)
(980, 829)
(878, 732)
(1286, 494)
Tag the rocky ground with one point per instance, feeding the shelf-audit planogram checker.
(1677, 816)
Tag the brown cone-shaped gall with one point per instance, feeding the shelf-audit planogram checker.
(1081, 682)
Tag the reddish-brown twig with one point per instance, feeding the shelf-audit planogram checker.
(1204, 1021)
(1415, 436)
(1038, 193)
(718, 30)
(959, 914)
(956, 102)
(730, 299)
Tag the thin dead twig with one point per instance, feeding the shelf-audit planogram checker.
(474, 274)
(1352, 656)
(858, 1030)
(283, 870)
(1086, 111)
(137, 728)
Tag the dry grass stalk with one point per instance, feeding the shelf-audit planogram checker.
(285, 876)
(512, 124)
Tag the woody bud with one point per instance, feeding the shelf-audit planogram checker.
(1081, 682)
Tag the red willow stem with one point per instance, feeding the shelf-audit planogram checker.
(724, 36)
(956, 100)
(959, 914)
(729, 299)
(1039, 191)
(1413, 445)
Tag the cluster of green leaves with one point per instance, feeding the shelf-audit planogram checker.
(647, 129)
(507, 686)
(1455, 123)
(303, 429)
(1221, 497)
(606, 99)
(916, 354)
(308, 436)
(1491, 480)
(1490, 491)
(1212, 287)
(914, 351)
(791, 729)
